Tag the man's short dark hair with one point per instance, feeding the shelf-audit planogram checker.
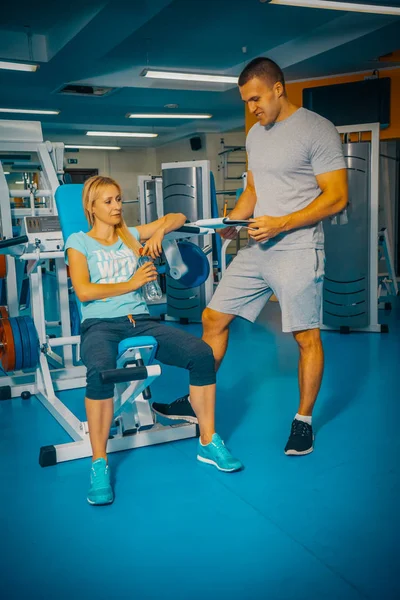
(262, 68)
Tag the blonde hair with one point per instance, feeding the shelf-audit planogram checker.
(91, 190)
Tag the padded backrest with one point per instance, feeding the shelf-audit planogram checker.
(72, 219)
(70, 210)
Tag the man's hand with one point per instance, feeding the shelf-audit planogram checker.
(153, 246)
(265, 228)
(229, 233)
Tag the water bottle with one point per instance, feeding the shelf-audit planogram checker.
(151, 291)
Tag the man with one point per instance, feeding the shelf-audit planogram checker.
(296, 178)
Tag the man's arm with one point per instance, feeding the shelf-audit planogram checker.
(332, 200)
(245, 205)
(244, 208)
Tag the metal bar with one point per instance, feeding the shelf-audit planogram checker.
(49, 171)
(63, 341)
(57, 409)
(62, 415)
(158, 434)
(29, 193)
(26, 212)
(64, 312)
(40, 255)
(374, 219)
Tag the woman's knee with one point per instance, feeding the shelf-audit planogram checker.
(202, 365)
(95, 366)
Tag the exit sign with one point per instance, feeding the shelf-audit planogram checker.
(72, 161)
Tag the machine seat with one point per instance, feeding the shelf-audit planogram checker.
(137, 342)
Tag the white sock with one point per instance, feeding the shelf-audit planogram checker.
(303, 418)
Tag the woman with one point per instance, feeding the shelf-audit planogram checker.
(104, 274)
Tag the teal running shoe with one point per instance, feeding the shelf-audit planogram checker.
(217, 454)
(100, 491)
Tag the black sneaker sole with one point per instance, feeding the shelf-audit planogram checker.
(193, 420)
(298, 453)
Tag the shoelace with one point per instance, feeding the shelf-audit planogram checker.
(221, 449)
(300, 428)
(100, 474)
(179, 401)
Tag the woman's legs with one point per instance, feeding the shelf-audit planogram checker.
(99, 349)
(99, 415)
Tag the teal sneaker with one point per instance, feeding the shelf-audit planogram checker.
(217, 454)
(100, 491)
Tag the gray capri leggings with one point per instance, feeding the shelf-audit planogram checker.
(99, 350)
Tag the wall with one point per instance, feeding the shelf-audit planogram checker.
(126, 165)
(122, 165)
(295, 93)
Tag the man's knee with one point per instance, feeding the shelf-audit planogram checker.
(215, 322)
(309, 338)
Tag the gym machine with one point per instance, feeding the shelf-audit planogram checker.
(186, 188)
(21, 144)
(30, 355)
(150, 198)
(352, 287)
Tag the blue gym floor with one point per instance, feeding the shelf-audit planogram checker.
(323, 526)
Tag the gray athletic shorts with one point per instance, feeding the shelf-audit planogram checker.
(294, 276)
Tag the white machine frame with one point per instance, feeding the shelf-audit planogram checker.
(27, 136)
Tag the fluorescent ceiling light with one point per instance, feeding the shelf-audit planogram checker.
(30, 111)
(121, 134)
(79, 147)
(344, 6)
(167, 116)
(189, 76)
(19, 182)
(6, 172)
(11, 66)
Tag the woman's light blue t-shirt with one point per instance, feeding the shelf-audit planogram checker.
(108, 264)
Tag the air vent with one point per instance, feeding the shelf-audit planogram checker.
(85, 90)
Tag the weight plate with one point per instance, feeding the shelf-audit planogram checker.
(19, 352)
(7, 348)
(3, 266)
(196, 261)
(3, 312)
(26, 346)
(34, 341)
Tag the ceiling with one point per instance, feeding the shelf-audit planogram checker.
(110, 43)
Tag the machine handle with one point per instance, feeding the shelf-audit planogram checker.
(14, 241)
(124, 375)
(188, 229)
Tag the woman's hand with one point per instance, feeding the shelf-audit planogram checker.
(153, 246)
(143, 275)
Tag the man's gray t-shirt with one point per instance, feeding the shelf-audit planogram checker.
(284, 159)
